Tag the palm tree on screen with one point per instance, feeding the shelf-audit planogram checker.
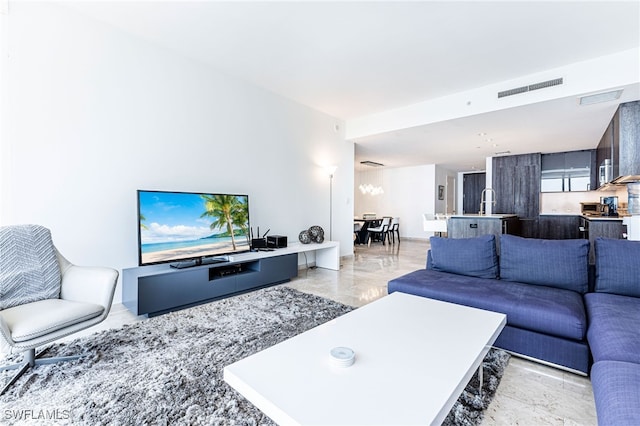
(142, 225)
(223, 209)
(241, 217)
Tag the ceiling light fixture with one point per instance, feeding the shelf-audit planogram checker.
(600, 97)
(368, 188)
(371, 163)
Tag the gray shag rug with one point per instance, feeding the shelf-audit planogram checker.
(168, 369)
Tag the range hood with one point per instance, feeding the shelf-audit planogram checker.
(618, 182)
(623, 180)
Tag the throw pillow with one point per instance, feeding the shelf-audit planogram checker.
(554, 263)
(29, 269)
(617, 266)
(474, 257)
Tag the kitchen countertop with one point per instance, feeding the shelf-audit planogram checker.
(584, 216)
(607, 218)
(505, 216)
(484, 216)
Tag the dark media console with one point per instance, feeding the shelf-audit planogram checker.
(157, 289)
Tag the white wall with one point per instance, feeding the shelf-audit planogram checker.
(3, 90)
(409, 192)
(92, 114)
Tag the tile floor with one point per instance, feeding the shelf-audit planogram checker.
(529, 394)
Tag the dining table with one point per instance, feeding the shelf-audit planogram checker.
(362, 233)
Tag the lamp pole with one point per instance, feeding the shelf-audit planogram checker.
(331, 170)
(331, 207)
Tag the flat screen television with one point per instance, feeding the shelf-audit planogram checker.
(191, 228)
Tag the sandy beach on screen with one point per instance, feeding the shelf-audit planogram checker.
(186, 252)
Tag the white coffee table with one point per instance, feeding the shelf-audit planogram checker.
(414, 356)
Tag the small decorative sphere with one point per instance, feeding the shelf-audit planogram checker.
(317, 233)
(304, 237)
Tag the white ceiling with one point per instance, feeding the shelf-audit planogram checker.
(353, 59)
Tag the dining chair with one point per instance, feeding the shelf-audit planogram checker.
(380, 231)
(394, 229)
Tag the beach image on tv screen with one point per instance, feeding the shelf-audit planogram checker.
(177, 226)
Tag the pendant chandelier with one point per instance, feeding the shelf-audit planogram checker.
(368, 188)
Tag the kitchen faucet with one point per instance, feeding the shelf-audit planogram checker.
(483, 200)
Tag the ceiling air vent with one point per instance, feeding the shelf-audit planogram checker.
(536, 86)
(600, 97)
(512, 92)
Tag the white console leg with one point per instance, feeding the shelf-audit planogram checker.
(329, 257)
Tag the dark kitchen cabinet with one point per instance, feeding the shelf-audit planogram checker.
(604, 156)
(516, 181)
(558, 227)
(568, 171)
(473, 184)
(552, 172)
(618, 153)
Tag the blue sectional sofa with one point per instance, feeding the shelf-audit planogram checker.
(555, 313)
(538, 284)
(613, 311)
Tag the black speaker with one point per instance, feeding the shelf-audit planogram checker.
(276, 241)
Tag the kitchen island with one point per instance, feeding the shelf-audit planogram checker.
(473, 225)
(593, 227)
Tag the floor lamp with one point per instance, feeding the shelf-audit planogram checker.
(331, 170)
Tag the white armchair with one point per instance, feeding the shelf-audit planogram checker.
(85, 298)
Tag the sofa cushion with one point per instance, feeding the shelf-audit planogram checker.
(553, 263)
(614, 327)
(546, 310)
(616, 391)
(474, 257)
(617, 266)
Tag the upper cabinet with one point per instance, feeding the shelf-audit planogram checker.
(618, 153)
(568, 171)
